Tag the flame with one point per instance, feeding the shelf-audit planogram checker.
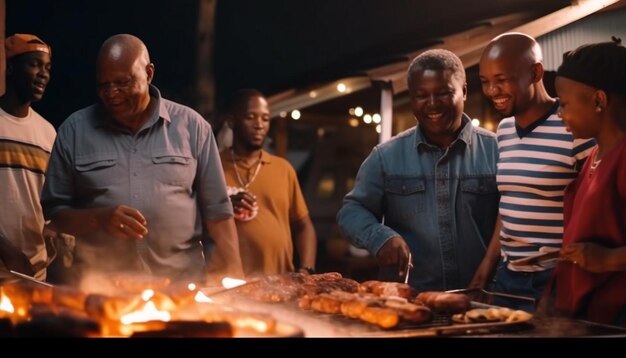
(5, 303)
(228, 282)
(148, 313)
(201, 297)
(146, 295)
(254, 324)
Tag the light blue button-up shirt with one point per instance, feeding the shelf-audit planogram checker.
(443, 202)
(170, 170)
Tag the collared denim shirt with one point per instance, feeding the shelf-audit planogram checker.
(443, 202)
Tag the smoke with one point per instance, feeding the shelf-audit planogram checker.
(288, 313)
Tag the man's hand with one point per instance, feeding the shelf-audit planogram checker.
(483, 275)
(14, 259)
(244, 205)
(395, 252)
(124, 222)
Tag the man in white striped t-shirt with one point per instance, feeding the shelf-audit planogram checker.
(538, 158)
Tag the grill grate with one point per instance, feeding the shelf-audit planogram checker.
(437, 321)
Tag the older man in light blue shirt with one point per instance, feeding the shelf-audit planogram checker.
(430, 190)
(137, 178)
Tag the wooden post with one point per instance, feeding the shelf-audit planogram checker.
(281, 137)
(205, 80)
(3, 63)
(386, 112)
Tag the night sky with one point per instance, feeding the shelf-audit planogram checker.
(272, 45)
(75, 29)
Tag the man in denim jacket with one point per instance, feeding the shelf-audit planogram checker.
(430, 191)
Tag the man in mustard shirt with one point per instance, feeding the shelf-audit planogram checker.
(270, 211)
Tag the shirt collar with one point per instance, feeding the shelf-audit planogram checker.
(522, 132)
(105, 119)
(265, 156)
(465, 135)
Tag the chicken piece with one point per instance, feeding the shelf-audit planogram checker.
(354, 308)
(409, 311)
(382, 317)
(519, 316)
(381, 288)
(323, 286)
(305, 302)
(326, 303)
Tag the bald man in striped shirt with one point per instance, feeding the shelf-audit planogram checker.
(538, 159)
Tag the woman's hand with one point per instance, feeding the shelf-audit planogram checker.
(588, 256)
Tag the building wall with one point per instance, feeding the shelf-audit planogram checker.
(594, 28)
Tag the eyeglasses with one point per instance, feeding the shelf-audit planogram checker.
(122, 86)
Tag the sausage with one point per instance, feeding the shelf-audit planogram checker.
(445, 302)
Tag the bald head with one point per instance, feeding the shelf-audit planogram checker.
(123, 75)
(513, 47)
(511, 74)
(123, 47)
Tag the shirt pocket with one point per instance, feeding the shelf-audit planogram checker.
(97, 170)
(173, 167)
(406, 196)
(479, 191)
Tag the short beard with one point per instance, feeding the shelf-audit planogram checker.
(252, 147)
(509, 113)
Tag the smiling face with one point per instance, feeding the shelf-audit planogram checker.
(507, 82)
(29, 74)
(578, 107)
(250, 122)
(123, 76)
(437, 98)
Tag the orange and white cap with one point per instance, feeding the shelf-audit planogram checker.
(22, 43)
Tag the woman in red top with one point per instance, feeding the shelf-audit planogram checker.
(590, 279)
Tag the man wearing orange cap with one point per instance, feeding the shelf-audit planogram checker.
(26, 140)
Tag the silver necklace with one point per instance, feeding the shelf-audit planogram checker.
(239, 179)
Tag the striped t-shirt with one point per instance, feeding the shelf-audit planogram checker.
(25, 145)
(535, 165)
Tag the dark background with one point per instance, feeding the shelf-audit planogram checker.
(76, 29)
(273, 45)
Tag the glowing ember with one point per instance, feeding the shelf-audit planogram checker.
(149, 313)
(5, 304)
(201, 297)
(147, 295)
(252, 323)
(228, 282)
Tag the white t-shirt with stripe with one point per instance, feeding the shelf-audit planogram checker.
(25, 146)
(535, 165)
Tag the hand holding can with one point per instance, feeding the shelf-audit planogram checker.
(244, 204)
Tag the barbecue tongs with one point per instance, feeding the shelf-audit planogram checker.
(479, 292)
